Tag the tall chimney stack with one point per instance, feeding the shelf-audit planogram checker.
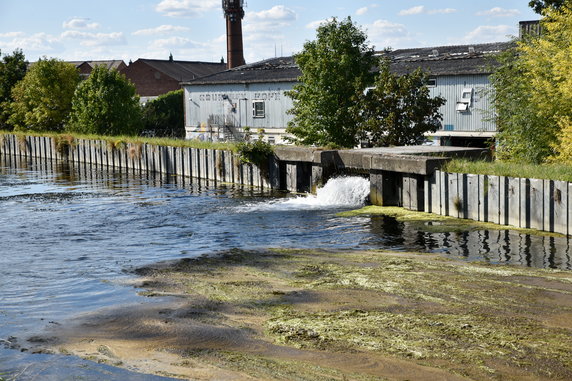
(234, 13)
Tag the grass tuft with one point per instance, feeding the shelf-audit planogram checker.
(499, 168)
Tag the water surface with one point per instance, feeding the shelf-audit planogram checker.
(69, 237)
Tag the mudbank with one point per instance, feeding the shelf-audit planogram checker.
(319, 315)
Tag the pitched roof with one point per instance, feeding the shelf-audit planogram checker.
(184, 70)
(447, 60)
(442, 60)
(109, 64)
(282, 69)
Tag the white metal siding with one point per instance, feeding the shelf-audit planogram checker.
(475, 119)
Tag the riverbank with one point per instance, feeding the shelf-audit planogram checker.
(318, 315)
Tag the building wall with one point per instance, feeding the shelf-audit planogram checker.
(148, 81)
(215, 112)
(473, 121)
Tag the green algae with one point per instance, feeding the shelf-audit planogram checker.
(435, 223)
(470, 319)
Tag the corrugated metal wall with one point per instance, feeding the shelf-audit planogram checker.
(211, 106)
(475, 118)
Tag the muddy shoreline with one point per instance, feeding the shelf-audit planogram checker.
(333, 315)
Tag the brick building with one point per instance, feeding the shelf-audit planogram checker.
(155, 77)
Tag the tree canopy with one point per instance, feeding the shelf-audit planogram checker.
(539, 6)
(336, 68)
(105, 104)
(42, 99)
(399, 110)
(12, 70)
(533, 94)
(165, 116)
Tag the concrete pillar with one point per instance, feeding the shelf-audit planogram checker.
(513, 201)
(560, 198)
(493, 197)
(473, 199)
(454, 201)
(536, 204)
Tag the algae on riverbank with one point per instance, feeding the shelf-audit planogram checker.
(312, 314)
(435, 223)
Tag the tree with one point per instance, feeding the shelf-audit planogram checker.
(336, 68)
(399, 110)
(105, 104)
(165, 115)
(12, 70)
(539, 6)
(548, 59)
(523, 135)
(42, 99)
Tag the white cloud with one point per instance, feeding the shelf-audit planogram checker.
(79, 23)
(38, 43)
(173, 42)
(12, 34)
(499, 12)
(386, 34)
(487, 33)
(317, 23)
(421, 10)
(275, 17)
(95, 39)
(162, 30)
(364, 10)
(186, 8)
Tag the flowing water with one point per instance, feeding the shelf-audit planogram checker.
(69, 236)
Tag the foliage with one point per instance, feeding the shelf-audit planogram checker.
(105, 103)
(398, 110)
(12, 70)
(165, 116)
(335, 71)
(551, 171)
(523, 135)
(42, 99)
(549, 62)
(539, 6)
(255, 152)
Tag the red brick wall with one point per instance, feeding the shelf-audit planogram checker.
(148, 81)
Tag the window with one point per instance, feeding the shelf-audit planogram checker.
(432, 82)
(258, 109)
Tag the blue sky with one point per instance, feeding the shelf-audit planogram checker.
(195, 29)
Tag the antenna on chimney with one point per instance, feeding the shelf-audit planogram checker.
(234, 13)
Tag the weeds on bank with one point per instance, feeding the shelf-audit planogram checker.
(499, 168)
(113, 140)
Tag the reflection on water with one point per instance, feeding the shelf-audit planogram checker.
(68, 235)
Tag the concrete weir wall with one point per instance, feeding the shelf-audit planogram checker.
(409, 177)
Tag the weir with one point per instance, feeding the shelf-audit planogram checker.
(409, 177)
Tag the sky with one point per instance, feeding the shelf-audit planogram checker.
(194, 30)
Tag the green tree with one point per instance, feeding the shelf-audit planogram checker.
(42, 99)
(399, 110)
(539, 6)
(165, 115)
(336, 69)
(105, 104)
(523, 134)
(12, 70)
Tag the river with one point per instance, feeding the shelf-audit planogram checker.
(70, 236)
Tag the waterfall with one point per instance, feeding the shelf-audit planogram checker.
(340, 192)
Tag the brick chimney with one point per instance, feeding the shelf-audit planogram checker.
(234, 13)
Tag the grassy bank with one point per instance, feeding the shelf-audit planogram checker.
(544, 171)
(282, 314)
(117, 140)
